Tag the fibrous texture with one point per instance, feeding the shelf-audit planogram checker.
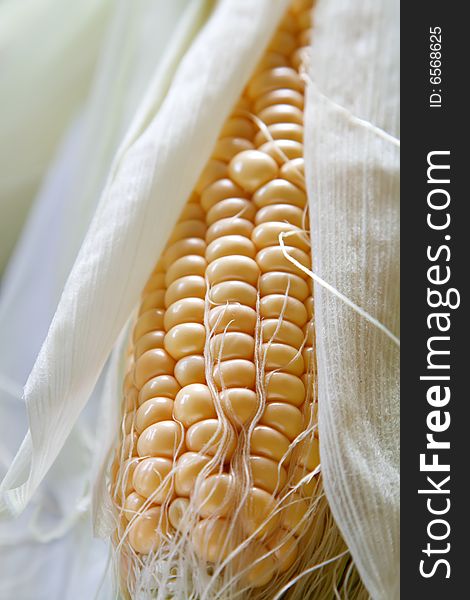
(216, 479)
(355, 209)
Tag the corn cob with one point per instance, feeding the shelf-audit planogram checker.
(219, 439)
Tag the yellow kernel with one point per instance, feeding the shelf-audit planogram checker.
(163, 385)
(289, 23)
(189, 245)
(238, 127)
(152, 411)
(230, 226)
(150, 320)
(284, 387)
(283, 357)
(281, 212)
(187, 229)
(310, 454)
(294, 171)
(131, 399)
(309, 306)
(185, 339)
(309, 332)
(124, 486)
(190, 286)
(228, 268)
(306, 485)
(226, 147)
(231, 207)
(240, 405)
(270, 60)
(150, 474)
(232, 317)
(207, 437)
(215, 496)
(284, 417)
(190, 369)
(212, 540)
(186, 310)
(149, 341)
(286, 549)
(266, 441)
(132, 505)
(215, 169)
(279, 77)
(280, 150)
(154, 299)
(251, 169)
(218, 191)
(282, 42)
(262, 567)
(144, 533)
(299, 6)
(192, 211)
(281, 113)
(305, 37)
(273, 259)
(280, 131)
(293, 514)
(191, 264)
(188, 467)
(259, 513)
(128, 422)
(160, 439)
(177, 511)
(234, 291)
(233, 344)
(292, 309)
(155, 282)
(194, 403)
(277, 282)
(279, 96)
(284, 332)
(279, 191)
(229, 245)
(300, 56)
(267, 234)
(308, 354)
(151, 364)
(267, 474)
(235, 373)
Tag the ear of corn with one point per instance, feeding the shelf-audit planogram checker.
(219, 458)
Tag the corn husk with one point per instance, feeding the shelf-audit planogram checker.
(352, 172)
